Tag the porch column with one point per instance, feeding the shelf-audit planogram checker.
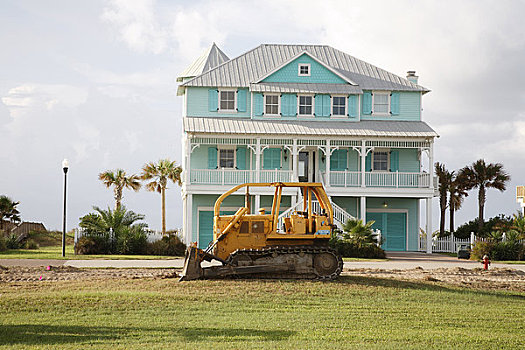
(186, 143)
(188, 215)
(327, 163)
(257, 161)
(363, 209)
(431, 164)
(295, 155)
(429, 225)
(257, 203)
(363, 162)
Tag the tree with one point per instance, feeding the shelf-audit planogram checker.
(8, 210)
(120, 180)
(360, 234)
(483, 176)
(457, 193)
(445, 178)
(159, 174)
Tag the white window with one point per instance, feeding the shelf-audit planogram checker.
(226, 158)
(226, 100)
(339, 105)
(306, 107)
(380, 161)
(381, 103)
(304, 69)
(271, 104)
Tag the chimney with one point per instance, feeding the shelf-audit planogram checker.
(412, 77)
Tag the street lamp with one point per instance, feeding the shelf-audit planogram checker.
(65, 167)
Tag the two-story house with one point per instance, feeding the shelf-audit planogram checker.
(306, 113)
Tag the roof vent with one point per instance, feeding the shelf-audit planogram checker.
(412, 77)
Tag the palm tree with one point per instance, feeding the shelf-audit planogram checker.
(457, 193)
(159, 174)
(482, 176)
(361, 234)
(445, 177)
(8, 210)
(120, 180)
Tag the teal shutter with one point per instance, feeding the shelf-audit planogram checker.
(326, 105)
(241, 158)
(394, 103)
(213, 100)
(394, 160)
(212, 158)
(352, 106)
(241, 100)
(271, 158)
(258, 104)
(338, 160)
(288, 105)
(367, 103)
(318, 105)
(368, 162)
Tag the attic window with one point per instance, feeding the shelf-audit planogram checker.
(304, 69)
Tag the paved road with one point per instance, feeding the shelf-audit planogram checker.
(396, 261)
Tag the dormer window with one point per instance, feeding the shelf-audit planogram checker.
(304, 69)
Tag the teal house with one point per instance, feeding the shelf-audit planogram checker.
(307, 113)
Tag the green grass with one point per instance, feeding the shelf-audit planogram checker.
(353, 312)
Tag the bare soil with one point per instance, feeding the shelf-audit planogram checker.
(494, 279)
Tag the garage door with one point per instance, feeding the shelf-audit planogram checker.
(206, 226)
(393, 229)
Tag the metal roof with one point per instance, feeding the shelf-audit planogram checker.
(306, 88)
(210, 59)
(254, 64)
(310, 128)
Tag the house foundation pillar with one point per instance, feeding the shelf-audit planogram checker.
(429, 225)
(363, 209)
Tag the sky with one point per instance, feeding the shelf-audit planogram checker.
(95, 82)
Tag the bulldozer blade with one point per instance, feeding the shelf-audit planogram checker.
(192, 265)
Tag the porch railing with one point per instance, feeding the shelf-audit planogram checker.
(235, 176)
(379, 179)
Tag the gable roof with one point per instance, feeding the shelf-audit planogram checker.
(251, 66)
(210, 59)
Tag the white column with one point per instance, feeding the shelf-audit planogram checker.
(363, 209)
(363, 162)
(327, 163)
(186, 143)
(429, 225)
(189, 216)
(295, 155)
(257, 203)
(431, 164)
(258, 161)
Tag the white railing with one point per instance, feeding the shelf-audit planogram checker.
(379, 179)
(275, 175)
(235, 177)
(340, 215)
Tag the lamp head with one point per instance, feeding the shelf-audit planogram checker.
(65, 165)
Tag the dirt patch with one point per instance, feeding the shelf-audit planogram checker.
(496, 278)
(68, 273)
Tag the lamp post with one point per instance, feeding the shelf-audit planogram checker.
(65, 167)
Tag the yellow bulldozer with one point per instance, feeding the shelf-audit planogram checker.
(253, 245)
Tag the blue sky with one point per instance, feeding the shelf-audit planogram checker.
(94, 81)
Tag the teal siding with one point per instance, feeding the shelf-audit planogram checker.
(199, 158)
(409, 108)
(349, 204)
(408, 160)
(354, 160)
(198, 104)
(318, 73)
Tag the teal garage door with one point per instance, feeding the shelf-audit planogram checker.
(206, 227)
(393, 229)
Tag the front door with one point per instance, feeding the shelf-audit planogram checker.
(393, 229)
(306, 166)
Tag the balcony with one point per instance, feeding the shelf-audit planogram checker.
(234, 177)
(378, 179)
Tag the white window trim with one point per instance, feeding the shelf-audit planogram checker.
(313, 106)
(227, 147)
(278, 115)
(234, 110)
(388, 94)
(343, 116)
(304, 65)
(387, 151)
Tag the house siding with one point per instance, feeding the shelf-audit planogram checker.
(197, 104)
(409, 108)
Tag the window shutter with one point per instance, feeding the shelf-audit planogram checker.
(241, 100)
(213, 100)
(394, 103)
(368, 162)
(258, 104)
(352, 106)
(326, 105)
(394, 160)
(367, 103)
(212, 158)
(272, 158)
(288, 105)
(338, 160)
(318, 105)
(241, 158)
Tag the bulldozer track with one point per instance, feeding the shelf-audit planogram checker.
(275, 255)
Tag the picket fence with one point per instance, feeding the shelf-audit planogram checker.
(450, 244)
(152, 235)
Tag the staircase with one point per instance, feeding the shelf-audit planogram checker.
(340, 215)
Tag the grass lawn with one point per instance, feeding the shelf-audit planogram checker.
(353, 312)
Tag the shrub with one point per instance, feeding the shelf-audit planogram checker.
(12, 242)
(358, 241)
(170, 244)
(351, 250)
(30, 244)
(499, 222)
(131, 240)
(508, 250)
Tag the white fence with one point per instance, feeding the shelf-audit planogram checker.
(152, 235)
(448, 244)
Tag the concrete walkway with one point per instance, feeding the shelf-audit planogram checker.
(396, 261)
